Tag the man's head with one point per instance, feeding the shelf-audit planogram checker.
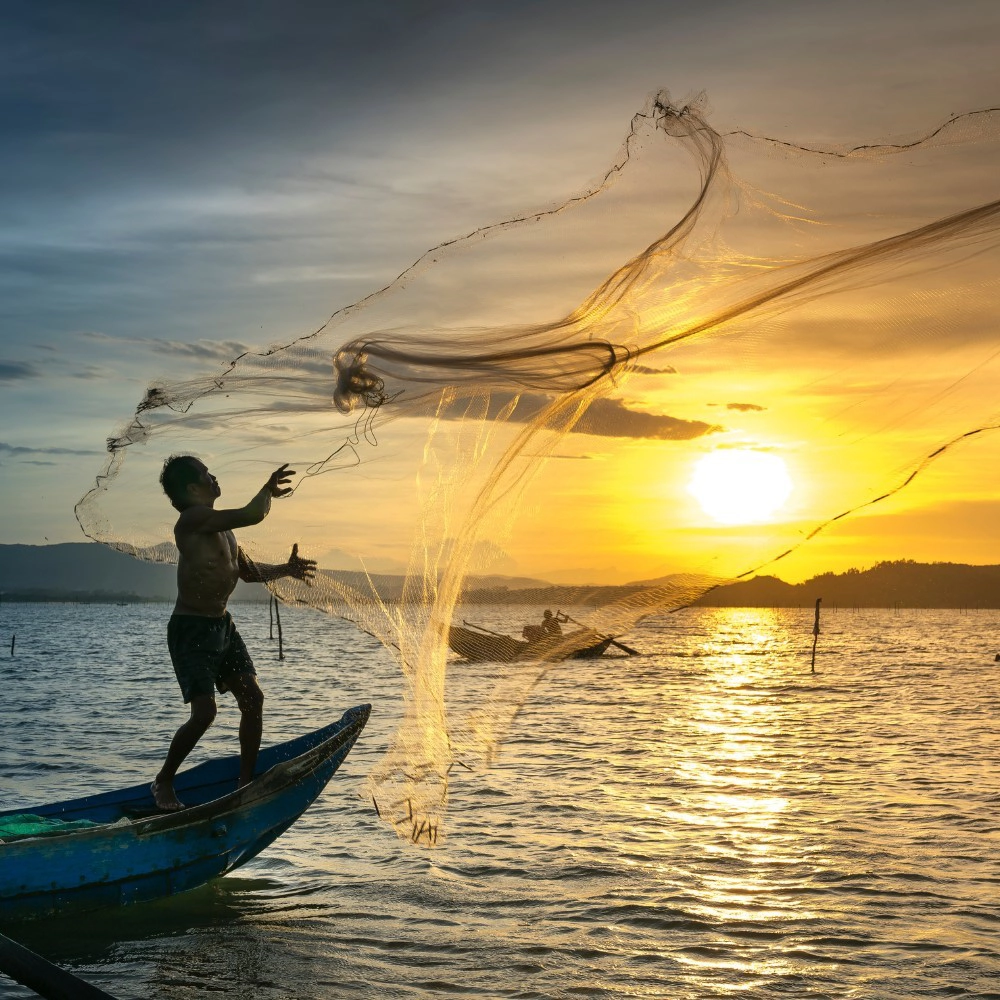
(187, 481)
(547, 615)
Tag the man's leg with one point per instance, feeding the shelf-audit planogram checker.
(250, 698)
(202, 716)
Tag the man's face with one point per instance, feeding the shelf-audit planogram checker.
(206, 483)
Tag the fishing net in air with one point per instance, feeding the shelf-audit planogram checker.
(540, 398)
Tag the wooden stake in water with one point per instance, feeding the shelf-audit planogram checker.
(270, 614)
(277, 618)
(815, 633)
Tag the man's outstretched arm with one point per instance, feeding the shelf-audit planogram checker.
(206, 520)
(297, 567)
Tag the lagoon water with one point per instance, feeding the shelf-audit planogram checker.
(707, 820)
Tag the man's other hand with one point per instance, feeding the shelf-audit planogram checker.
(301, 569)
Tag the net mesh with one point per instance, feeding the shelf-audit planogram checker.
(28, 825)
(537, 393)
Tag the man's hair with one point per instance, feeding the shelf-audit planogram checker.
(179, 472)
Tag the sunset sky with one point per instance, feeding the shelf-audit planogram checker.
(183, 183)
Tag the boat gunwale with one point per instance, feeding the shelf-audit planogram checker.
(264, 788)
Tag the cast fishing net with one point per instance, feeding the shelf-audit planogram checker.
(537, 393)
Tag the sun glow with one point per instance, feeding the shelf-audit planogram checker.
(740, 486)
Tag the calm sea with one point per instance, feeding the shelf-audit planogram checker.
(707, 820)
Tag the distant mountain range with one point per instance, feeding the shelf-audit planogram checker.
(77, 571)
(85, 571)
(903, 584)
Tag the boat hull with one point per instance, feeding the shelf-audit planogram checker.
(137, 857)
(481, 647)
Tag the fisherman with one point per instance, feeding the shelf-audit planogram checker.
(549, 629)
(205, 648)
(553, 623)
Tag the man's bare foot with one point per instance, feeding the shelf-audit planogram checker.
(165, 797)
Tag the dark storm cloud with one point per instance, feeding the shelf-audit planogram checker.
(15, 371)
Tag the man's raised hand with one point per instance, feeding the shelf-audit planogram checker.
(276, 483)
(301, 569)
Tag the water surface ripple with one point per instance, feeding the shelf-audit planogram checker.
(707, 820)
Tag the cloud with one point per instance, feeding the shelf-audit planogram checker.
(744, 407)
(646, 370)
(202, 350)
(612, 418)
(604, 418)
(90, 372)
(14, 371)
(14, 449)
(58, 363)
(308, 272)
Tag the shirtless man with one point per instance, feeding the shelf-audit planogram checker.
(205, 648)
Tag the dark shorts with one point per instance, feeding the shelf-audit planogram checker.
(206, 652)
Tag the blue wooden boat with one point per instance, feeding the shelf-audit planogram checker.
(137, 853)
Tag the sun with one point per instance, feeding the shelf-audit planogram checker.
(740, 486)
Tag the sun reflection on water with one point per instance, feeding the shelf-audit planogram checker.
(733, 799)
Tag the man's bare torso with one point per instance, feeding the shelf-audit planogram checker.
(207, 571)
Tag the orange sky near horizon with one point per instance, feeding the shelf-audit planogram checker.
(176, 271)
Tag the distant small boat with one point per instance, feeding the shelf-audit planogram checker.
(494, 647)
(137, 853)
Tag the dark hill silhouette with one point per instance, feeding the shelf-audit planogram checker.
(81, 571)
(904, 584)
(74, 569)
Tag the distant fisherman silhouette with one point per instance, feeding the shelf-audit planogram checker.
(205, 648)
(549, 629)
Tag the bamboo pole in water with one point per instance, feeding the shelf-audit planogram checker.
(277, 618)
(815, 633)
